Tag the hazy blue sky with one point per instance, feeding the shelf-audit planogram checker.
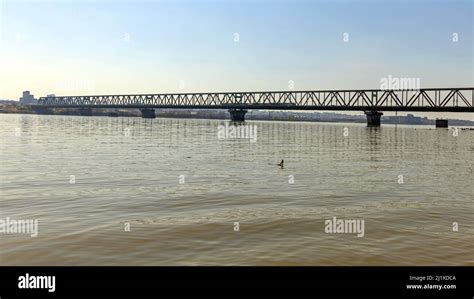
(97, 47)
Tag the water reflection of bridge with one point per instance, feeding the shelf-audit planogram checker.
(372, 102)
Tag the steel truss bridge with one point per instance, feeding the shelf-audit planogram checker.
(371, 101)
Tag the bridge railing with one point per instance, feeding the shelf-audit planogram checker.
(422, 98)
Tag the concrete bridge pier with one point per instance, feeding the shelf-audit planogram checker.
(148, 113)
(373, 118)
(237, 114)
(85, 111)
(441, 123)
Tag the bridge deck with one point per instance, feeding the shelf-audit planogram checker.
(429, 100)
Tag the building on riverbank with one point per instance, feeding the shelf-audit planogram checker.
(27, 98)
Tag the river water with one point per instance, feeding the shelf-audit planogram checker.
(132, 191)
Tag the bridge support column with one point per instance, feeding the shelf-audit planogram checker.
(373, 118)
(441, 123)
(85, 111)
(148, 113)
(237, 114)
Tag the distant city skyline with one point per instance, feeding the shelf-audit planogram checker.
(124, 47)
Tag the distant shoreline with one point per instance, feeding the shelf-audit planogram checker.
(327, 117)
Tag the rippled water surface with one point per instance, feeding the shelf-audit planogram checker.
(87, 179)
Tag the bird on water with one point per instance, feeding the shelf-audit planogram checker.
(281, 164)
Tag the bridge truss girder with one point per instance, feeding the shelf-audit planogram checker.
(433, 99)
